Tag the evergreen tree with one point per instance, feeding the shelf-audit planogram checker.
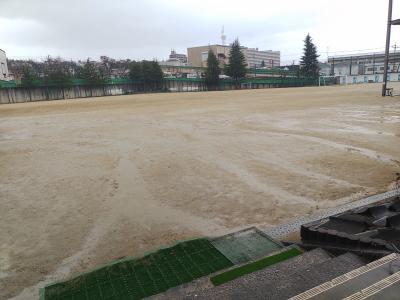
(104, 74)
(29, 76)
(148, 74)
(309, 65)
(236, 67)
(57, 73)
(91, 74)
(157, 74)
(136, 71)
(262, 64)
(213, 71)
(147, 69)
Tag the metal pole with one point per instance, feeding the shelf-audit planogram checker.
(394, 59)
(389, 24)
(351, 62)
(373, 65)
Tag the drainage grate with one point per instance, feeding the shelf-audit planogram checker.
(143, 277)
(246, 245)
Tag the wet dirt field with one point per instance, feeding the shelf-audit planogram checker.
(87, 181)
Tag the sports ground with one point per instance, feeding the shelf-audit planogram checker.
(84, 182)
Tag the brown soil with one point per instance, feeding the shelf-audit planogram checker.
(87, 181)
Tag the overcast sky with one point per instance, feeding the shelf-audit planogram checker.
(146, 29)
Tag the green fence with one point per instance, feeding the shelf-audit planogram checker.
(282, 81)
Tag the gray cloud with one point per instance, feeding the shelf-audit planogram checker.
(149, 29)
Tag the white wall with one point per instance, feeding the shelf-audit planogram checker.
(4, 75)
(355, 79)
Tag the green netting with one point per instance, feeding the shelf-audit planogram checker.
(281, 81)
(142, 277)
(246, 245)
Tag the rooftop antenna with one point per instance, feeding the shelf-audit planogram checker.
(223, 36)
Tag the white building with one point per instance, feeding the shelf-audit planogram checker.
(255, 58)
(197, 56)
(363, 63)
(176, 56)
(4, 75)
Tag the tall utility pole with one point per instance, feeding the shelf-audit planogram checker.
(390, 22)
(389, 27)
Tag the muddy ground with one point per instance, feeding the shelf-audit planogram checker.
(86, 181)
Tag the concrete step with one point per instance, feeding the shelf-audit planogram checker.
(317, 274)
(381, 277)
(286, 279)
(202, 288)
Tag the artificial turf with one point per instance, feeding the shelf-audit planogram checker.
(254, 266)
(137, 278)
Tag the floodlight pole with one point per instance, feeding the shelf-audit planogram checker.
(385, 70)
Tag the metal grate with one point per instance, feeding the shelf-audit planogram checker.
(246, 245)
(143, 277)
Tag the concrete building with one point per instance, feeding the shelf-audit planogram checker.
(197, 56)
(4, 75)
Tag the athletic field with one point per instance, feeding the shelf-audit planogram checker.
(87, 181)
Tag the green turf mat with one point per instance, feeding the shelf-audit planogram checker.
(254, 266)
(137, 278)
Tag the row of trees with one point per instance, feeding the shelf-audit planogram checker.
(148, 74)
(60, 73)
(236, 66)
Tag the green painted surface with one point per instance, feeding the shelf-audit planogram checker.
(142, 277)
(246, 245)
(7, 84)
(254, 266)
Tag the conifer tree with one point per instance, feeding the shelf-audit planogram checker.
(309, 65)
(236, 67)
(213, 71)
